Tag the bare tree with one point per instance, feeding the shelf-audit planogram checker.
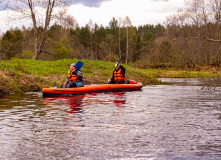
(194, 10)
(91, 29)
(70, 22)
(127, 24)
(33, 9)
(65, 20)
(120, 23)
(216, 10)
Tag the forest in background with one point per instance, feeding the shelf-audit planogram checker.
(190, 38)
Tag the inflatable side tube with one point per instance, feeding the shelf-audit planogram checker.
(79, 84)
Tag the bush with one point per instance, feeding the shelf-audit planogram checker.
(26, 54)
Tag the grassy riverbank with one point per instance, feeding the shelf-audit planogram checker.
(23, 75)
(171, 73)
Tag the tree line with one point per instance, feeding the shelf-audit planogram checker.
(89, 42)
(189, 38)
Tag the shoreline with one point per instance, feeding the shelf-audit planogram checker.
(25, 75)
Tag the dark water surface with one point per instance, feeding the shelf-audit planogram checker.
(159, 122)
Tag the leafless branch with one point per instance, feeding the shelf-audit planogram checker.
(213, 40)
(200, 45)
(206, 39)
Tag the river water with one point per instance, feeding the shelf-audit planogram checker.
(177, 120)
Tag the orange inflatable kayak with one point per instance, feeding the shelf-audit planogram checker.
(92, 89)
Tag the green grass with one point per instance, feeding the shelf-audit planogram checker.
(159, 73)
(22, 75)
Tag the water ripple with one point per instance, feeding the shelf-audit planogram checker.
(159, 122)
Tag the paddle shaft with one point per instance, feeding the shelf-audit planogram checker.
(119, 61)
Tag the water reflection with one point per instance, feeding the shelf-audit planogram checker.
(183, 81)
(76, 102)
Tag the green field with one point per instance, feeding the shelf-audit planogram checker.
(23, 75)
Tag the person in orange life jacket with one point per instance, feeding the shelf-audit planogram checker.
(74, 79)
(118, 75)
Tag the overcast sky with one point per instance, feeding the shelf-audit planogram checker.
(140, 12)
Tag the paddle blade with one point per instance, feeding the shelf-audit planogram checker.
(78, 65)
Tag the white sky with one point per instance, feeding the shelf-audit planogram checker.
(140, 12)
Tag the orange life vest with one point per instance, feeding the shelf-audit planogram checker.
(72, 77)
(118, 76)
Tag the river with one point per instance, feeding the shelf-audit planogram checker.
(176, 120)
